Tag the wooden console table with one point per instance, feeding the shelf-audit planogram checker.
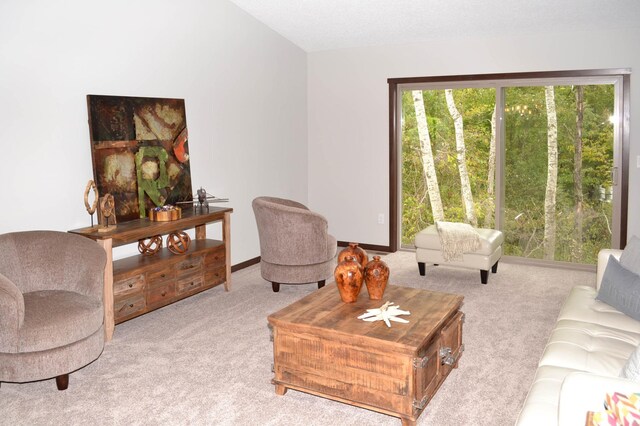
(146, 274)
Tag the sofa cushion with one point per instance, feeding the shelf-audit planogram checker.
(603, 258)
(589, 347)
(630, 257)
(55, 318)
(582, 392)
(541, 405)
(581, 305)
(631, 369)
(620, 288)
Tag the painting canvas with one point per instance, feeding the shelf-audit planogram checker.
(140, 152)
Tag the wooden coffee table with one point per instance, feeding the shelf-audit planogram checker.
(320, 347)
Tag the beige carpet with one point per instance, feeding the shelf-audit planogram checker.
(207, 359)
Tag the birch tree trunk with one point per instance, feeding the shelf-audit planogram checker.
(490, 206)
(577, 175)
(467, 196)
(549, 242)
(427, 157)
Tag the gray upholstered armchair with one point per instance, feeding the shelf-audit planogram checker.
(294, 244)
(51, 305)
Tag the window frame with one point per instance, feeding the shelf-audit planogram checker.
(620, 77)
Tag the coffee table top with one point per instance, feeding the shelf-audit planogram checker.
(322, 313)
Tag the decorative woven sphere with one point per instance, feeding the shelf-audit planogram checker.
(150, 246)
(178, 242)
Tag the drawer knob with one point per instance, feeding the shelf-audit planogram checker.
(163, 294)
(162, 275)
(131, 305)
(130, 285)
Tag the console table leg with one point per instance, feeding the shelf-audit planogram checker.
(226, 237)
(109, 321)
(201, 232)
(407, 422)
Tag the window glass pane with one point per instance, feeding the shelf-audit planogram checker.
(558, 161)
(448, 158)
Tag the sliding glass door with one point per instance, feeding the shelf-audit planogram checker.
(537, 158)
(559, 143)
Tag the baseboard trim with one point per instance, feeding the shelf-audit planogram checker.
(366, 246)
(245, 264)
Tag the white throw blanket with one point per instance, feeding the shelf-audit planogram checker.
(456, 239)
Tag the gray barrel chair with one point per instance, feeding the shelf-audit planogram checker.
(51, 305)
(295, 246)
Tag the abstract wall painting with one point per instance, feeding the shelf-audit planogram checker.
(140, 152)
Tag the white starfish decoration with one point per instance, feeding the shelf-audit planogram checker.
(387, 312)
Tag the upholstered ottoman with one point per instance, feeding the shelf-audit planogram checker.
(428, 250)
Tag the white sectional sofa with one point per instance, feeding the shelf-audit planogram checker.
(582, 361)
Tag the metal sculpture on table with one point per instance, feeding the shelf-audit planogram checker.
(204, 198)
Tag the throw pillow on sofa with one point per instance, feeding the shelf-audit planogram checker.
(631, 369)
(620, 288)
(630, 257)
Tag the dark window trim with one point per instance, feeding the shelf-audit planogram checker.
(625, 73)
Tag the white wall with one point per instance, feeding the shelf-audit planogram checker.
(244, 88)
(249, 95)
(348, 111)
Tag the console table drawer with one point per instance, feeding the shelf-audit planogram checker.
(125, 286)
(163, 274)
(189, 265)
(189, 284)
(162, 294)
(214, 276)
(215, 258)
(131, 306)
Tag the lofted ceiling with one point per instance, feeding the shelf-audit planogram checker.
(316, 25)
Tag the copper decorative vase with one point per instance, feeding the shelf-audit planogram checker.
(349, 276)
(376, 276)
(357, 252)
